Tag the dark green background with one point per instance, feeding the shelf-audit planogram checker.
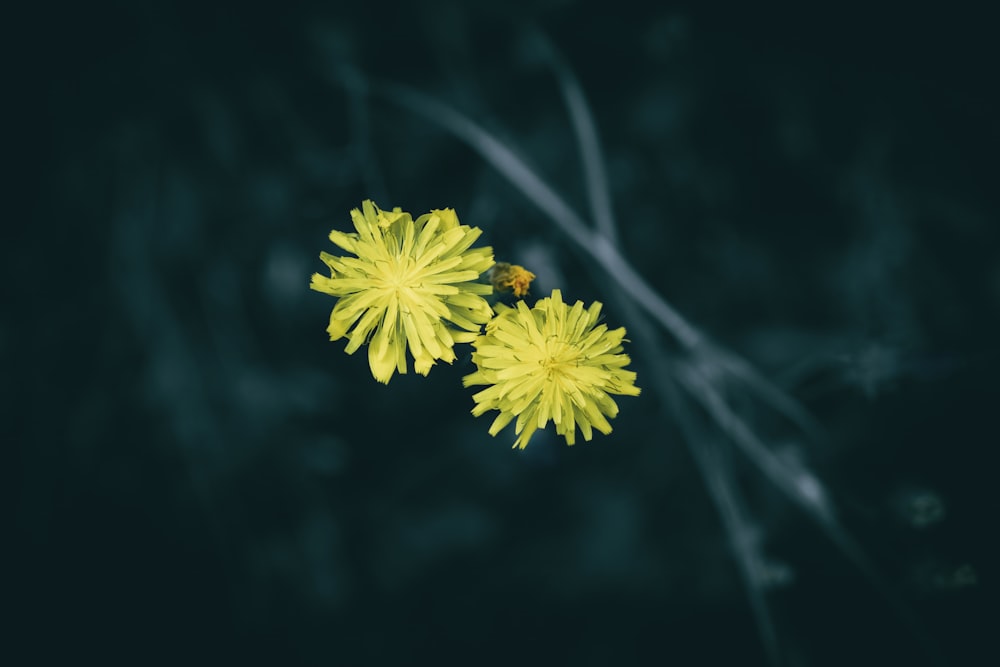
(200, 477)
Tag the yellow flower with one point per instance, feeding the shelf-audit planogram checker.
(411, 282)
(551, 362)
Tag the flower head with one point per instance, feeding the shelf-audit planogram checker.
(551, 362)
(511, 278)
(411, 283)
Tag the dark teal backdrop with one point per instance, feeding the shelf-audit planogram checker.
(200, 477)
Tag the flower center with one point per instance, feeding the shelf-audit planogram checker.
(397, 274)
(559, 357)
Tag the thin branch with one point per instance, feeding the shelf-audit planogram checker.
(600, 249)
(585, 131)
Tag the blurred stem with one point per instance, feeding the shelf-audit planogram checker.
(585, 129)
(595, 244)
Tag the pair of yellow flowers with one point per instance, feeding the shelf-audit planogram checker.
(415, 284)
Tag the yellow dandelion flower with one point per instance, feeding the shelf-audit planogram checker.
(411, 283)
(551, 362)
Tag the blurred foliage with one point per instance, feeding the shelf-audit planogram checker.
(199, 475)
